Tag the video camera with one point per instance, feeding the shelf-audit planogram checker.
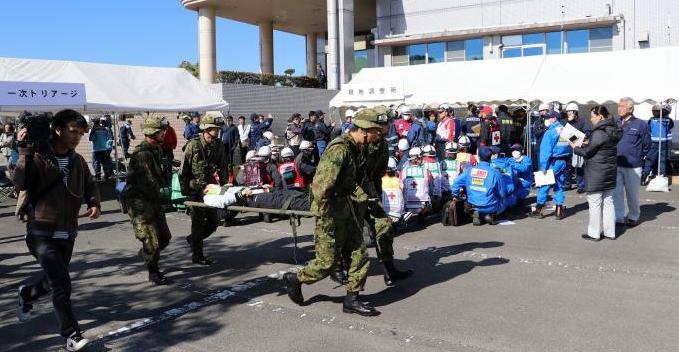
(37, 127)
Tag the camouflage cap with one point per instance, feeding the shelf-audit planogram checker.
(371, 118)
(212, 119)
(152, 125)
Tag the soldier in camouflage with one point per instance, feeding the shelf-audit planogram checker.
(146, 190)
(337, 199)
(204, 163)
(372, 167)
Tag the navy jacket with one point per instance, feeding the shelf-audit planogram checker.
(635, 142)
(256, 130)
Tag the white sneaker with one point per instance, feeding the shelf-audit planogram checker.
(23, 308)
(76, 342)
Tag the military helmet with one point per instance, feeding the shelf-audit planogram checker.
(212, 119)
(371, 118)
(152, 125)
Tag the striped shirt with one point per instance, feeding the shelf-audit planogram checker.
(63, 164)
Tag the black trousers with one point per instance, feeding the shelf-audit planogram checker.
(54, 256)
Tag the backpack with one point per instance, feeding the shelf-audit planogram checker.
(255, 174)
(454, 213)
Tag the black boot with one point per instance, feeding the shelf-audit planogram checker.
(391, 274)
(353, 305)
(201, 260)
(538, 213)
(644, 179)
(294, 287)
(159, 279)
(339, 276)
(560, 212)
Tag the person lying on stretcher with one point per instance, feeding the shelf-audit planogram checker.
(266, 198)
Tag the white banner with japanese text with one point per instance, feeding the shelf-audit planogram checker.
(42, 94)
(378, 91)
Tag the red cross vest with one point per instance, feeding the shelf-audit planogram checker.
(416, 181)
(392, 196)
(435, 168)
(446, 129)
(290, 175)
(450, 169)
(494, 133)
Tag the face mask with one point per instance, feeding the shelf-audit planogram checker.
(493, 157)
(516, 154)
(548, 123)
(406, 117)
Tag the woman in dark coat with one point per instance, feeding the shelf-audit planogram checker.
(600, 152)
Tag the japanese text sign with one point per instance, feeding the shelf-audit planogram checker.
(42, 94)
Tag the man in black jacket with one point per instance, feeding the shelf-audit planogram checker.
(323, 132)
(506, 129)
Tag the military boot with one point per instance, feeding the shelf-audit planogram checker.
(353, 305)
(538, 212)
(339, 275)
(294, 287)
(391, 274)
(158, 278)
(560, 212)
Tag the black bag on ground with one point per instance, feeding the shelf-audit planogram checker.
(281, 199)
(454, 213)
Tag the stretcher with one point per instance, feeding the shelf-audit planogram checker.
(294, 215)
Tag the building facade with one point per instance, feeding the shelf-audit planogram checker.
(344, 36)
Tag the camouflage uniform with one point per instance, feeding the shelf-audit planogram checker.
(373, 166)
(146, 190)
(336, 194)
(203, 164)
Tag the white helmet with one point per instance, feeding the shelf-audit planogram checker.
(268, 135)
(403, 145)
(264, 151)
(544, 106)
(251, 154)
(572, 107)
(350, 113)
(287, 153)
(428, 150)
(415, 153)
(306, 145)
(451, 147)
(464, 142)
(392, 164)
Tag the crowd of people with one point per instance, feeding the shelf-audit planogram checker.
(382, 167)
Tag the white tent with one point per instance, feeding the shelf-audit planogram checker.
(645, 75)
(117, 88)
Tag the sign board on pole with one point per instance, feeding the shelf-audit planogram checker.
(42, 94)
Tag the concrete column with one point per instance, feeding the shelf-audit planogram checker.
(266, 47)
(332, 69)
(311, 58)
(207, 55)
(346, 39)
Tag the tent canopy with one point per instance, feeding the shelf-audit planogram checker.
(117, 88)
(647, 75)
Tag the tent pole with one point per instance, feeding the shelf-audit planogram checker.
(115, 143)
(660, 142)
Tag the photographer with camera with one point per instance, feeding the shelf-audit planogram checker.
(56, 180)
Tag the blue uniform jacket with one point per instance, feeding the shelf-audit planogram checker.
(469, 123)
(661, 132)
(552, 148)
(635, 143)
(484, 189)
(191, 130)
(101, 139)
(416, 135)
(256, 130)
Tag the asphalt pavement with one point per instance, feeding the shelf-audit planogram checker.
(525, 285)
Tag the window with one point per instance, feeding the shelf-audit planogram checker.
(512, 40)
(554, 42)
(578, 41)
(455, 51)
(523, 45)
(534, 38)
(532, 51)
(601, 39)
(418, 54)
(360, 60)
(399, 56)
(511, 52)
(435, 52)
(473, 49)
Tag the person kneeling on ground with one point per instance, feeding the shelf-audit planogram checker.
(484, 190)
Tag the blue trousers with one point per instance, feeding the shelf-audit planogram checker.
(580, 177)
(559, 168)
(321, 144)
(651, 162)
